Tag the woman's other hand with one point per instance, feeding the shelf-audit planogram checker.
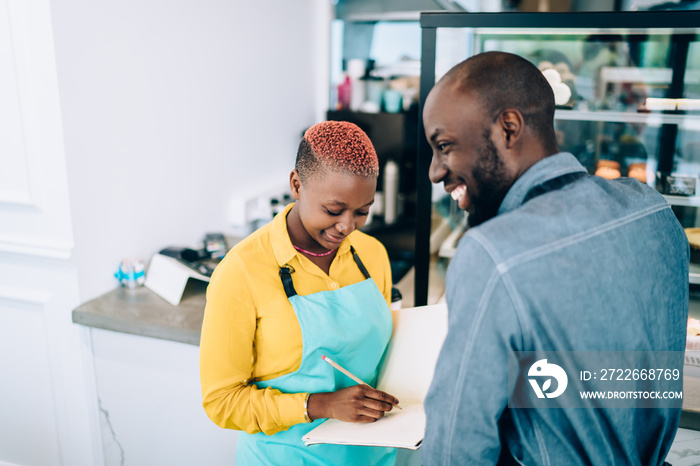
(359, 403)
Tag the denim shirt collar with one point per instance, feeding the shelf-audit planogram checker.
(542, 171)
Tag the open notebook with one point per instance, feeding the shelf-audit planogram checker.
(406, 373)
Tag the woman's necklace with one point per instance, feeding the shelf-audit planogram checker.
(313, 253)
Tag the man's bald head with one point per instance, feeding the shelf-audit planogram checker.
(504, 80)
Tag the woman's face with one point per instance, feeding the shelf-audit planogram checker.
(331, 205)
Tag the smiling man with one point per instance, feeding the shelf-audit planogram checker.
(555, 261)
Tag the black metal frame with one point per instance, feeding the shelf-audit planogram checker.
(594, 21)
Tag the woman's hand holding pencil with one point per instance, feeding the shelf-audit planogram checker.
(351, 375)
(359, 403)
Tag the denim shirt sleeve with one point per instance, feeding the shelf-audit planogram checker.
(470, 386)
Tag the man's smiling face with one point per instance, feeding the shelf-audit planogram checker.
(465, 158)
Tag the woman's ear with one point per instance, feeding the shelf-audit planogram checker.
(295, 184)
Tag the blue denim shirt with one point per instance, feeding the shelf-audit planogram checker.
(594, 266)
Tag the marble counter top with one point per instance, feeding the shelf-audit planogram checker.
(140, 311)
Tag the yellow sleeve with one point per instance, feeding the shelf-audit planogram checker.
(226, 359)
(387, 283)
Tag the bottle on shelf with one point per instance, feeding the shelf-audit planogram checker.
(391, 192)
(344, 92)
(356, 70)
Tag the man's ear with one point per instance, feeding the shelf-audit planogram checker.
(295, 184)
(510, 125)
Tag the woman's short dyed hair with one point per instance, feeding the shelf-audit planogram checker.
(336, 145)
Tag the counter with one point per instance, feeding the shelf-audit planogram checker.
(149, 398)
(139, 311)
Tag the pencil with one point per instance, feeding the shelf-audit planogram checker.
(350, 374)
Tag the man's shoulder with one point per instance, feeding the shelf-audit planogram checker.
(593, 206)
(631, 189)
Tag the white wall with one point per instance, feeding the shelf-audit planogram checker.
(174, 108)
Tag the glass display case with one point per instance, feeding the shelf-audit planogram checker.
(627, 88)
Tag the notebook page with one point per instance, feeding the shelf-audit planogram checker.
(409, 364)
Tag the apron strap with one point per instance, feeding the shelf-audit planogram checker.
(553, 184)
(359, 263)
(287, 270)
(286, 275)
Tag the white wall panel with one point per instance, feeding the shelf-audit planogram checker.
(14, 181)
(34, 206)
(28, 434)
(46, 384)
(46, 379)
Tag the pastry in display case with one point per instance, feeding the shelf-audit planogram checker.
(693, 338)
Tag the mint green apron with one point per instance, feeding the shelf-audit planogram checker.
(352, 326)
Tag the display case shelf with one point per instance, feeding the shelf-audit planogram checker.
(694, 274)
(689, 121)
(691, 201)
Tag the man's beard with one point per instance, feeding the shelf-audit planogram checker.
(492, 184)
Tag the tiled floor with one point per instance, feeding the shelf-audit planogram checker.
(685, 450)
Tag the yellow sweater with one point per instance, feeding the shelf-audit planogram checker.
(250, 331)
